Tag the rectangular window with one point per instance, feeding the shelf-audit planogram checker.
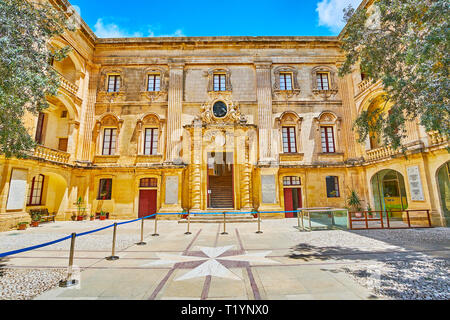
(328, 145)
(35, 192)
(322, 81)
(62, 144)
(109, 142)
(289, 140)
(151, 141)
(40, 128)
(333, 187)
(114, 83)
(285, 81)
(291, 181)
(105, 189)
(219, 82)
(154, 83)
(148, 183)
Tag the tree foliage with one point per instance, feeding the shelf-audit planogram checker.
(26, 77)
(405, 44)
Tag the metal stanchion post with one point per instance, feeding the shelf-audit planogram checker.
(224, 224)
(259, 223)
(303, 222)
(113, 256)
(188, 224)
(156, 227)
(298, 219)
(142, 243)
(69, 282)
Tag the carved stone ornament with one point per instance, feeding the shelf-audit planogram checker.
(164, 84)
(332, 82)
(295, 85)
(221, 111)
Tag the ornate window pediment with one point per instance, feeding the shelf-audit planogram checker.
(112, 83)
(154, 83)
(219, 81)
(112, 123)
(323, 81)
(149, 128)
(286, 81)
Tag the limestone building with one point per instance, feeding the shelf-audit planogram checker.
(145, 125)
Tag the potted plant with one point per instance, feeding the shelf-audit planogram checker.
(74, 216)
(102, 215)
(92, 217)
(35, 219)
(22, 225)
(354, 202)
(184, 214)
(255, 213)
(369, 210)
(80, 218)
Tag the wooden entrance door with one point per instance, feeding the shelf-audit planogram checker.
(292, 201)
(147, 203)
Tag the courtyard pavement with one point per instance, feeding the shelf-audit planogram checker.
(281, 264)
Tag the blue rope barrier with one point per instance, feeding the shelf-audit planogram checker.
(93, 231)
(10, 253)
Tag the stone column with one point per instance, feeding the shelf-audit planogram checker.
(345, 87)
(246, 176)
(87, 114)
(196, 166)
(264, 96)
(174, 113)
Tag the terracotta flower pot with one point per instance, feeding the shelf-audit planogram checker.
(102, 217)
(255, 215)
(35, 224)
(92, 218)
(22, 227)
(80, 218)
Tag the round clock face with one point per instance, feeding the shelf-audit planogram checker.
(220, 109)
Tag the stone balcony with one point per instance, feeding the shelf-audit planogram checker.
(365, 85)
(435, 138)
(381, 153)
(68, 86)
(53, 155)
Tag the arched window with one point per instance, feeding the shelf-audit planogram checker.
(328, 125)
(108, 131)
(149, 130)
(290, 126)
(36, 190)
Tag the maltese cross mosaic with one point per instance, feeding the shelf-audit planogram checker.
(210, 261)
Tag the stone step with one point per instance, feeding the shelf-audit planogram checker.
(218, 218)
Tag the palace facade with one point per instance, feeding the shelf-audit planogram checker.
(143, 125)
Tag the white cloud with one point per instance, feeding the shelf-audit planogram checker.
(112, 30)
(331, 13)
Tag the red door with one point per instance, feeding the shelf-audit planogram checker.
(292, 201)
(288, 203)
(147, 202)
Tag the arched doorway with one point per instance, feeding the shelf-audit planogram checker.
(389, 193)
(443, 178)
(148, 195)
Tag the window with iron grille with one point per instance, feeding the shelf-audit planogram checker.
(114, 83)
(220, 82)
(322, 81)
(151, 141)
(285, 81)
(292, 181)
(148, 183)
(328, 145)
(105, 189)
(289, 140)
(109, 142)
(332, 187)
(35, 192)
(154, 83)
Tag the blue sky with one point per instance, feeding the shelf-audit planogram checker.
(144, 18)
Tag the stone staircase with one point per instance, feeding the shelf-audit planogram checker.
(221, 192)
